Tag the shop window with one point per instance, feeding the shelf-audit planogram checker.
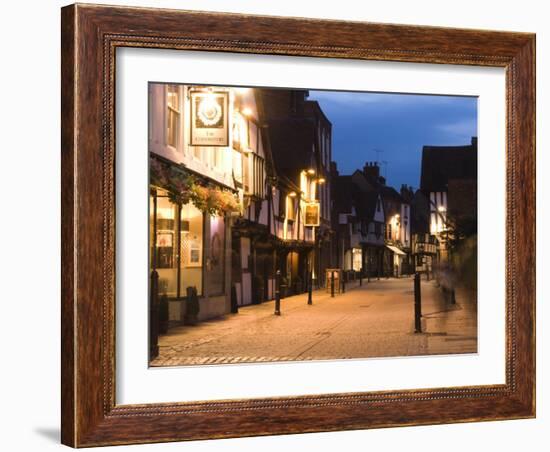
(172, 115)
(163, 253)
(357, 256)
(191, 248)
(176, 235)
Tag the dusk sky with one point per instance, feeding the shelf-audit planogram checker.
(396, 124)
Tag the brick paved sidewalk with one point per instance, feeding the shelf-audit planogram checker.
(374, 320)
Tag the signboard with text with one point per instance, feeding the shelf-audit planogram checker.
(209, 118)
(312, 214)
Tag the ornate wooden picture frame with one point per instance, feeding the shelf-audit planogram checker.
(90, 37)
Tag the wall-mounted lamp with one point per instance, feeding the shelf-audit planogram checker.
(241, 90)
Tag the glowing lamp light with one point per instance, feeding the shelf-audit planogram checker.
(292, 194)
(247, 111)
(321, 180)
(311, 171)
(442, 208)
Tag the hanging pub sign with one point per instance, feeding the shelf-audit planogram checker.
(312, 214)
(209, 118)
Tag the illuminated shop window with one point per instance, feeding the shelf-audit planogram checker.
(191, 248)
(176, 235)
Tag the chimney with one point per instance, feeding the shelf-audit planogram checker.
(406, 192)
(371, 170)
(334, 169)
(474, 142)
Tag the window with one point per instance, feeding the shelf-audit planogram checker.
(290, 210)
(357, 259)
(254, 175)
(176, 243)
(191, 248)
(172, 115)
(164, 243)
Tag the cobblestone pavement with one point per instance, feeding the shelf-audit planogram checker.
(372, 320)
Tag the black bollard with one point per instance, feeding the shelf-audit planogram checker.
(310, 288)
(344, 276)
(332, 284)
(361, 278)
(278, 292)
(417, 304)
(452, 296)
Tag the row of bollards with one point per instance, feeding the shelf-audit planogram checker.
(310, 287)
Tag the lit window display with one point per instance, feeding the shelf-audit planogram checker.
(164, 255)
(191, 248)
(357, 256)
(174, 228)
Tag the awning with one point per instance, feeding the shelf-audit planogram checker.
(395, 250)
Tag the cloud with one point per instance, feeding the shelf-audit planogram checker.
(354, 99)
(463, 128)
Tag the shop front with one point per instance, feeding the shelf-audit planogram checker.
(188, 250)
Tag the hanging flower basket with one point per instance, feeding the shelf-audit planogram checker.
(184, 188)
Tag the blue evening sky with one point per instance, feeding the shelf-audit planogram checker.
(396, 124)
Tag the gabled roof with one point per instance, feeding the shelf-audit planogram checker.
(349, 192)
(442, 163)
(365, 204)
(388, 192)
(292, 142)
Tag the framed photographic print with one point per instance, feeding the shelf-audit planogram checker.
(282, 225)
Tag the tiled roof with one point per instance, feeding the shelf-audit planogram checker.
(292, 142)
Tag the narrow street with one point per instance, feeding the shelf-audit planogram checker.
(372, 320)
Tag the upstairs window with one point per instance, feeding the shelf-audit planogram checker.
(172, 115)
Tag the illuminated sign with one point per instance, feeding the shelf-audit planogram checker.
(209, 119)
(312, 214)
